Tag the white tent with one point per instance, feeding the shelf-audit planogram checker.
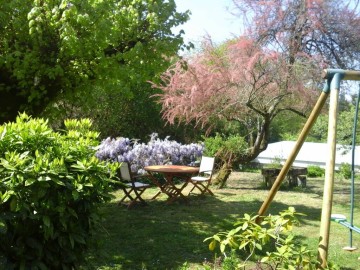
(310, 154)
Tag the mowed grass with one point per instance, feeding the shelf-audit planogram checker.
(162, 236)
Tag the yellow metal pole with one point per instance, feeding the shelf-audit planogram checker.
(329, 173)
(285, 169)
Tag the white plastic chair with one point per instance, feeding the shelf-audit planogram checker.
(203, 180)
(133, 189)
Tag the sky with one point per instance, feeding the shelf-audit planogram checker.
(210, 17)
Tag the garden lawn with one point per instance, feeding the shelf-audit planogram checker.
(162, 236)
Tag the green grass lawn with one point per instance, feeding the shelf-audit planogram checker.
(162, 236)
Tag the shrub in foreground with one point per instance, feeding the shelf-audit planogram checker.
(268, 240)
(50, 186)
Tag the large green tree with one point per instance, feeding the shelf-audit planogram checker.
(57, 54)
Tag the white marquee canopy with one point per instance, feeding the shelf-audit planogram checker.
(310, 154)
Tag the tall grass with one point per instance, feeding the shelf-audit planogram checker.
(162, 236)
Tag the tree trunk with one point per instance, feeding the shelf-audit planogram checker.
(223, 175)
(229, 159)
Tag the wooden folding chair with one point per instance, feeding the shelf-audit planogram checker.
(133, 189)
(203, 180)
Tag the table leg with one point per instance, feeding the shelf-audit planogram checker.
(172, 190)
(169, 188)
(158, 184)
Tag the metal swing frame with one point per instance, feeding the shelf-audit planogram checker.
(340, 218)
(333, 78)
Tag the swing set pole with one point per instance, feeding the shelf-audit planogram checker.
(333, 78)
(353, 171)
(329, 172)
(305, 131)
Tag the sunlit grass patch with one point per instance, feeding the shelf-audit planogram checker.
(162, 236)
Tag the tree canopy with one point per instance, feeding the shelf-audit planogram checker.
(240, 82)
(324, 30)
(58, 50)
(272, 68)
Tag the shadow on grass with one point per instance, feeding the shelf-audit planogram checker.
(162, 236)
(341, 190)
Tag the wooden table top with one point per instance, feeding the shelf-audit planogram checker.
(172, 169)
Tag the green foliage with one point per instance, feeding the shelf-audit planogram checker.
(63, 55)
(345, 170)
(228, 151)
(318, 132)
(286, 127)
(267, 238)
(315, 171)
(50, 189)
(227, 148)
(231, 262)
(344, 127)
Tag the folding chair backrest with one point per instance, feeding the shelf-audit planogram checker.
(125, 173)
(206, 165)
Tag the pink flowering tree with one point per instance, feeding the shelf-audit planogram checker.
(240, 82)
(273, 68)
(328, 30)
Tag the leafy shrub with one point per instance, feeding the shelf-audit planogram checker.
(225, 148)
(345, 170)
(315, 171)
(228, 152)
(231, 262)
(155, 152)
(50, 187)
(270, 241)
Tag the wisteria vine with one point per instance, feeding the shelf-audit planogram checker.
(155, 152)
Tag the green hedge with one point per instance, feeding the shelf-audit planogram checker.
(345, 170)
(51, 185)
(315, 171)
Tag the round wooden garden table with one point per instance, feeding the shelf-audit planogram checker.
(169, 172)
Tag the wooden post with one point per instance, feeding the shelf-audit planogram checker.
(329, 173)
(305, 131)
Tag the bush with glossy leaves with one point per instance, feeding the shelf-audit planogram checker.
(51, 185)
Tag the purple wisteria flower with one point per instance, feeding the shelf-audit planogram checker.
(110, 149)
(155, 152)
